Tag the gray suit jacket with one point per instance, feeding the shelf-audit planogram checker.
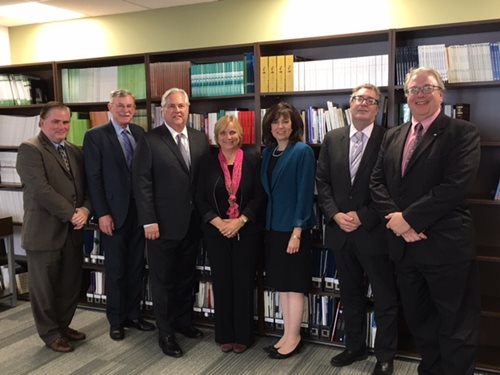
(50, 193)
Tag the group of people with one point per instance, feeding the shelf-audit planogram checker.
(393, 203)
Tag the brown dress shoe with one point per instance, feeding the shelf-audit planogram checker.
(226, 348)
(74, 335)
(60, 345)
(239, 348)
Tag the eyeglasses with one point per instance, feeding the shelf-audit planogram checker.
(427, 89)
(358, 99)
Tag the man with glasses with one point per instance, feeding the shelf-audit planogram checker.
(165, 171)
(108, 152)
(419, 185)
(355, 232)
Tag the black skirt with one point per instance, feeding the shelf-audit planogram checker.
(288, 272)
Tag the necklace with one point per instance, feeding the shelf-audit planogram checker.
(277, 153)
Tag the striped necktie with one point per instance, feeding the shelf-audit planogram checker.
(356, 154)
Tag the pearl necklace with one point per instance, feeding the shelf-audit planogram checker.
(277, 153)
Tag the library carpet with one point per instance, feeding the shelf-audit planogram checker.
(22, 352)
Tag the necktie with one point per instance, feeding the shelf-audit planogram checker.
(419, 132)
(356, 154)
(127, 146)
(183, 149)
(64, 156)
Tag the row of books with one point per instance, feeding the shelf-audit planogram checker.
(15, 129)
(21, 281)
(283, 74)
(457, 110)
(223, 78)
(165, 75)
(205, 122)
(95, 84)
(319, 121)
(20, 89)
(473, 62)
(8, 172)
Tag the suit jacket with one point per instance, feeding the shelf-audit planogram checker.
(337, 194)
(431, 194)
(291, 191)
(250, 196)
(163, 186)
(50, 193)
(108, 177)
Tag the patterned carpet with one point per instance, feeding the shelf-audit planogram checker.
(22, 352)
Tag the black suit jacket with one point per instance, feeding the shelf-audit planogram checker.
(431, 194)
(163, 185)
(108, 177)
(251, 196)
(336, 194)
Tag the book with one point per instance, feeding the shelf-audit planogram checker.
(280, 73)
(462, 111)
(272, 65)
(264, 74)
(289, 59)
(497, 192)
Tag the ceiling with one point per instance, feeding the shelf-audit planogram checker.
(93, 8)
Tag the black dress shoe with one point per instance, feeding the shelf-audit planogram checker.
(383, 368)
(347, 357)
(191, 332)
(116, 334)
(140, 324)
(270, 348)
(170, 347)
(277, 355)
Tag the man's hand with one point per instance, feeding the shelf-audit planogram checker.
(106, 224)
(152, 232)
(347, 221)
(79, 218)
(397, 223)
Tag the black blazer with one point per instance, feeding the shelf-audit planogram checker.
(250, 196)
(108, 177)
(336, 194)
(431, 194)
(163, 186)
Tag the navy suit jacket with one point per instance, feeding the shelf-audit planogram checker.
(431, 194)
(108, 177)
(164, 187)
(337, 194)
(291, 191)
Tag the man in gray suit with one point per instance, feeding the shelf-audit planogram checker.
(165, 170)
(355, 232)
(55, 212)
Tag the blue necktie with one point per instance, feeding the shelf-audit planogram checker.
(129, 150)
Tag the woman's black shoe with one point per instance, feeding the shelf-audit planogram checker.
(277, 355)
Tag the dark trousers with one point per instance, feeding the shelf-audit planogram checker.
(352, 264)
(441, 306)
(124, 264)
(232, 263)
(172, 274)
(54, 283)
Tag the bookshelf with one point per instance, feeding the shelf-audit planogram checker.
(358, 48)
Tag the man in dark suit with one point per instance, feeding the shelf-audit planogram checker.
(55, 212)
(355, 232)
(419, 184)
(165, 171)
(108, 152)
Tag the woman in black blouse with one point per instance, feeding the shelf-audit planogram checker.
(230, 200)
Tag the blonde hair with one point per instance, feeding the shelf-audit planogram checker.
(222, 124)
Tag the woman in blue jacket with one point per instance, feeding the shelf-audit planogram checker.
(287, 174)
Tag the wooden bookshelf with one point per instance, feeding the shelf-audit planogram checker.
(482, 96)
